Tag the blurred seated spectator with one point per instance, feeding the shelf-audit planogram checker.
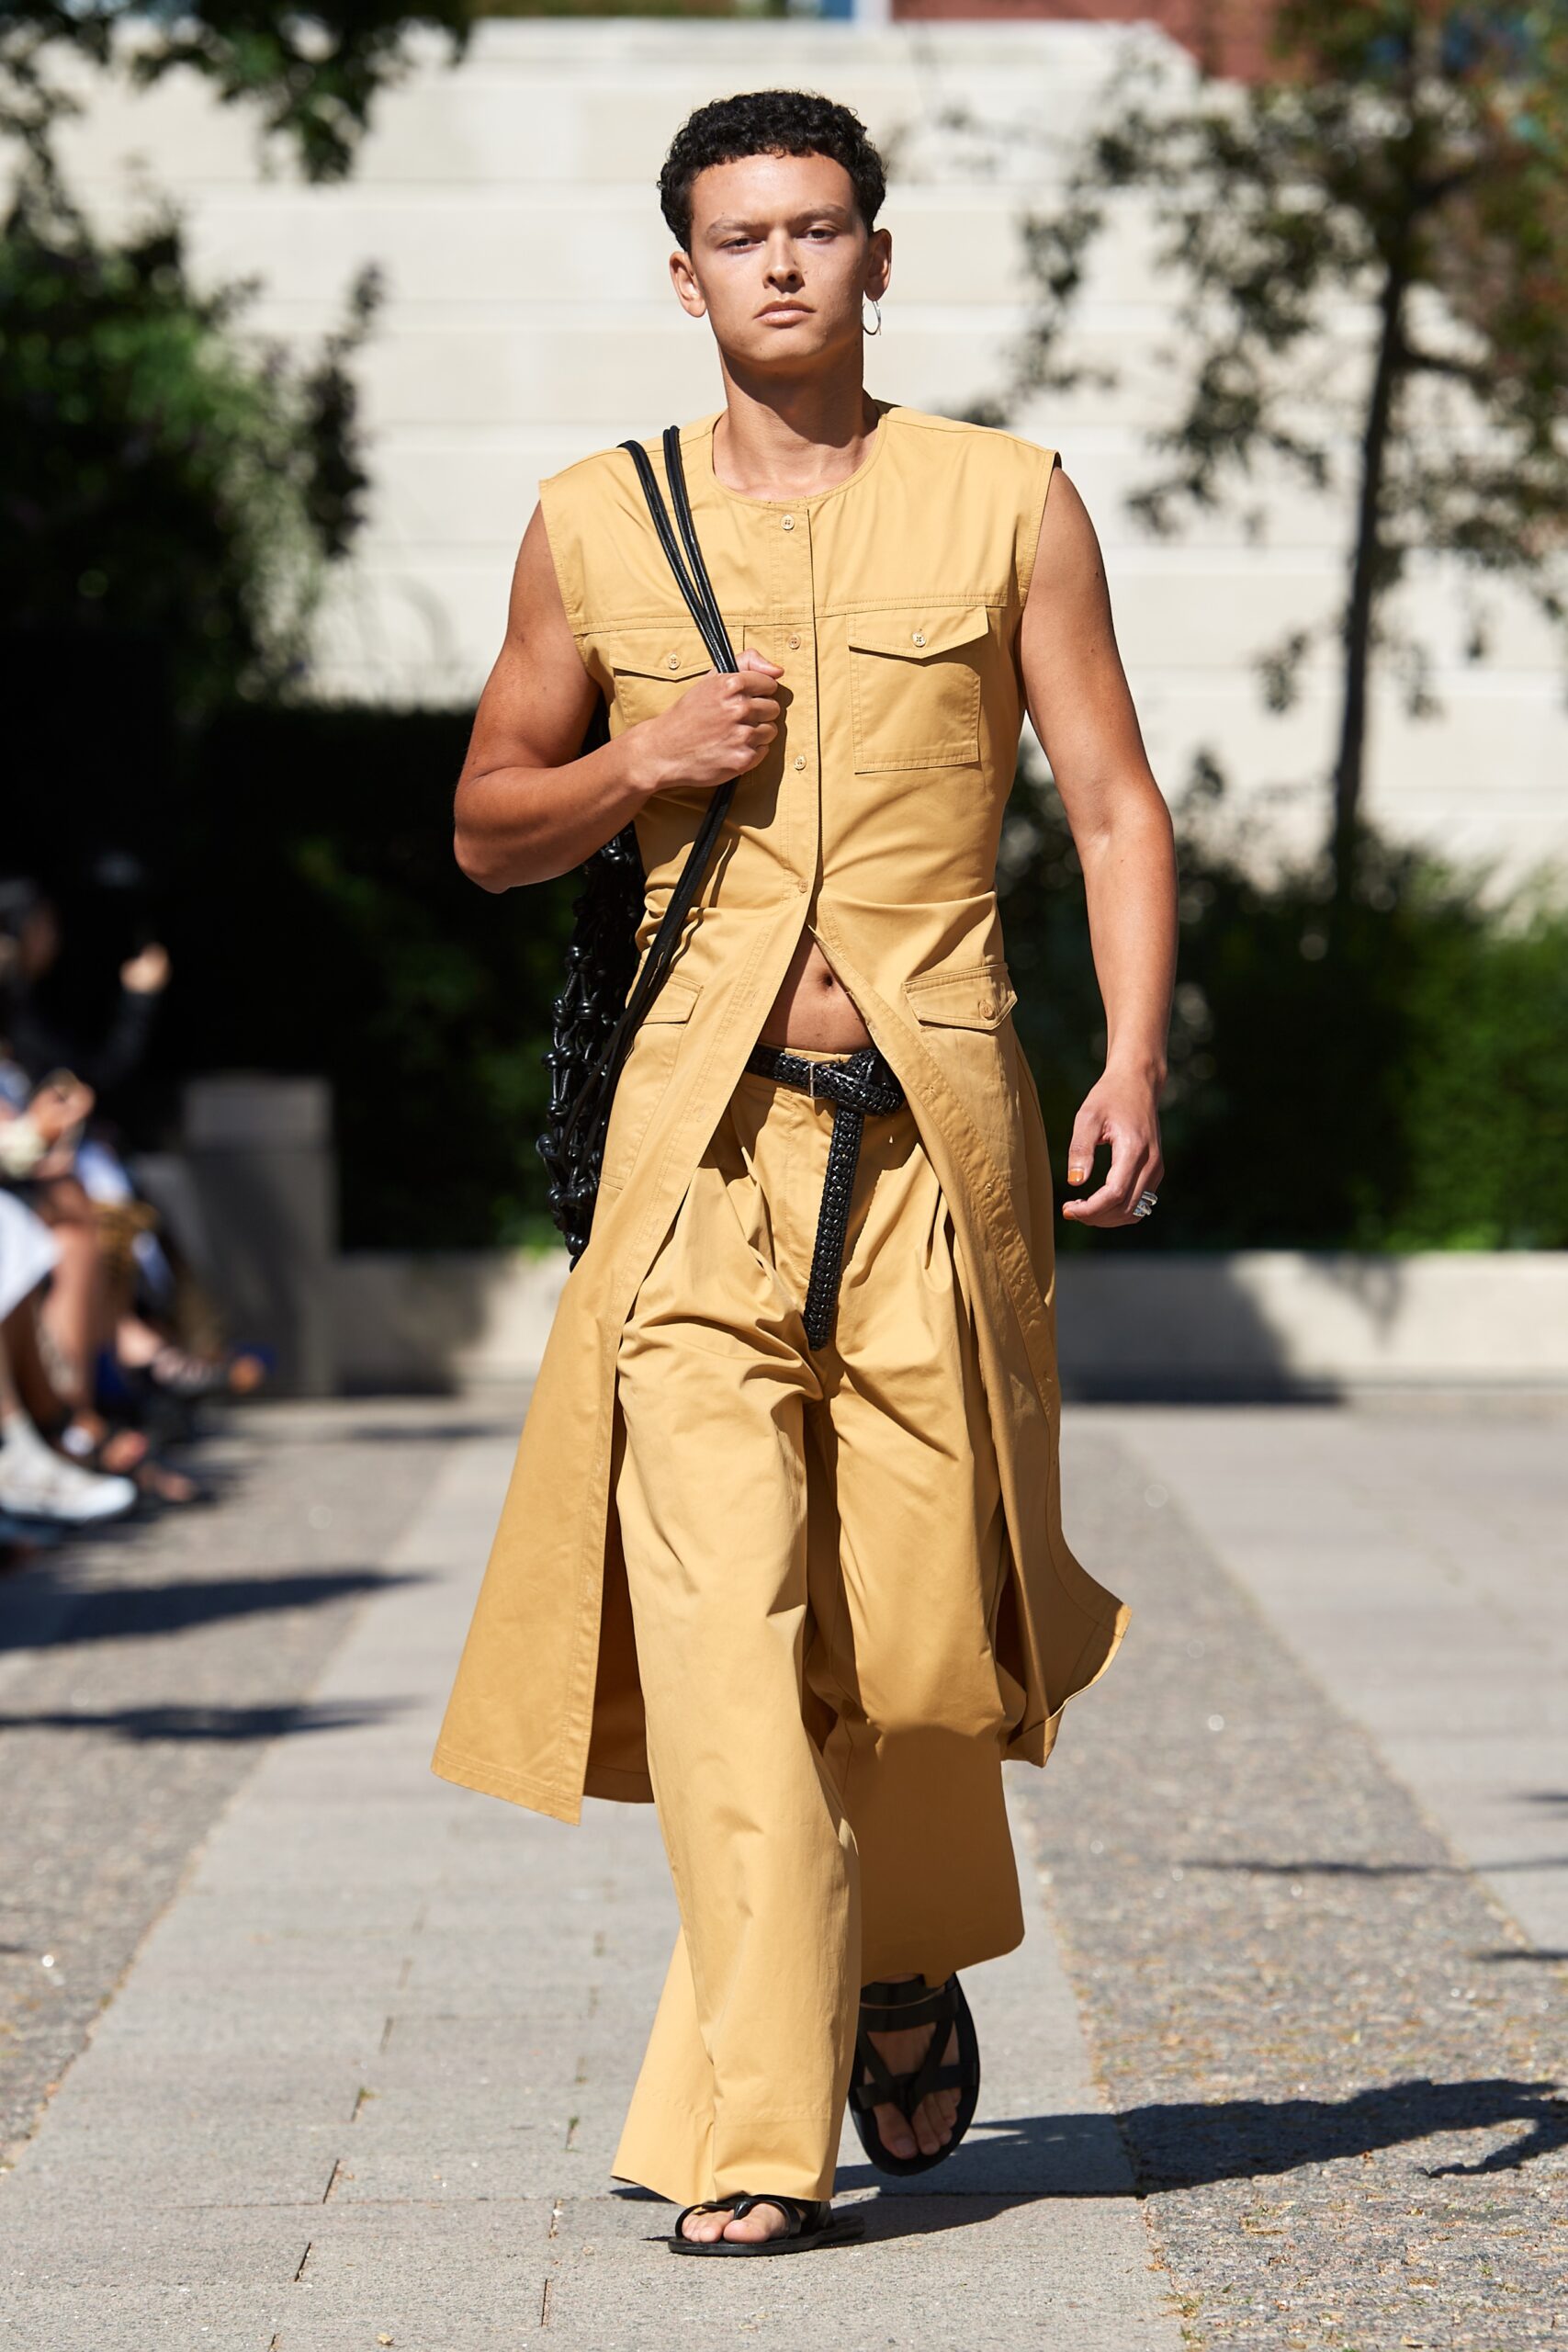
(103, 1323)
(41, 1489)
(30, 921)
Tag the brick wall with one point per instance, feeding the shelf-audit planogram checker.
(1229, 35)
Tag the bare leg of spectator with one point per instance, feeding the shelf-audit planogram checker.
(75, 1309)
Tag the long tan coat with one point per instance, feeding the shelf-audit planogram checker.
(892, 604)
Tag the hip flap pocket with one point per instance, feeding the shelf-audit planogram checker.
(965, 1015)
(971, 996)
(915, 686)
(645, 1077)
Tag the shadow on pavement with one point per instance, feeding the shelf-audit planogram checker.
(112, 1614)
(220, 1725)
(1190, 2143)
(1035, 2155)
(1377, 1870)
(428, 1432)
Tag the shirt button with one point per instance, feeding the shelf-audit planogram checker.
(919, 636)
(800, 759)
(789, 521)
(795, 644)
(674, 660)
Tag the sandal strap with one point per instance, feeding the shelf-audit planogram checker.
(705, 2205)
(906, 2091)
(798, 2211)
(886, 2007)
(882, 2090)
(936, 2004)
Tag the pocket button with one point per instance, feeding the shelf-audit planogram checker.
(919, 636)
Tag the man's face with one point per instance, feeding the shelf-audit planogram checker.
(780, 260)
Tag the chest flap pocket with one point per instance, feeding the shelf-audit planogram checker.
(915, 686)
(652, 666)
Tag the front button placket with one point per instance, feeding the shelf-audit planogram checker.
(794, 608)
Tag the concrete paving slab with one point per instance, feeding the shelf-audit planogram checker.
(190, 2247)
(432, 2278)
(145, 1671)
(233, 2314)
(939, 2270)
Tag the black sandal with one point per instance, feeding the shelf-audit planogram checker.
(807, 2220)
(888, 2007)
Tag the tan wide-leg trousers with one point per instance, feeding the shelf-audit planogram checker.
(815, 1547)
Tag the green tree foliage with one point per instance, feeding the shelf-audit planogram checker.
(160, 477)
(167, 481)
(1408, 1091)
(309, 75)
(1412, 155)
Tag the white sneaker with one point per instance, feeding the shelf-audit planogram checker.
(38, 1483)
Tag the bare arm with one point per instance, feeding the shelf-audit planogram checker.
(1083, 713)
(527, 807)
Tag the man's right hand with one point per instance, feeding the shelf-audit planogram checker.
(530, 802)
(60, 1105)
(719, 727)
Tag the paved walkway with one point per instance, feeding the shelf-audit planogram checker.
(329, 2053)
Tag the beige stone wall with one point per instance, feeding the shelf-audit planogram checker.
(1249, 1322)
(512, 204)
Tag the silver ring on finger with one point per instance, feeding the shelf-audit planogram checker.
(1143, 1204)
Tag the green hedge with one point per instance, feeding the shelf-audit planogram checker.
(1391, 1078)
(320, 923)
(1403, 1087)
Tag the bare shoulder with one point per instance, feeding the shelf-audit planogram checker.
(534, 571)
(536, 611)
(537, 697)
(1068, 557)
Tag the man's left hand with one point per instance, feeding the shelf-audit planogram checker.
(146, 974)
(1124, 1113)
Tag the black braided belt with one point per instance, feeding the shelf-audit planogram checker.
(865, 1082)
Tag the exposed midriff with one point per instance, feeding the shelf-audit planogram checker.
(812, 1008)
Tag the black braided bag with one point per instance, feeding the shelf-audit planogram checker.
(605, 995)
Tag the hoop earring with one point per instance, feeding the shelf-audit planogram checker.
(877, 308)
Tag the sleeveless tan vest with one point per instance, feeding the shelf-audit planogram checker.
(892, 603)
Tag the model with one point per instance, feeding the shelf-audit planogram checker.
(782, 1548)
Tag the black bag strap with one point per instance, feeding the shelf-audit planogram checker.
(694, 586)
(697, 590)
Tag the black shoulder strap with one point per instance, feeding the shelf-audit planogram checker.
(702, 604)
(694, 586)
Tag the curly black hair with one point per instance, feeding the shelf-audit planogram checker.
(768, 122)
